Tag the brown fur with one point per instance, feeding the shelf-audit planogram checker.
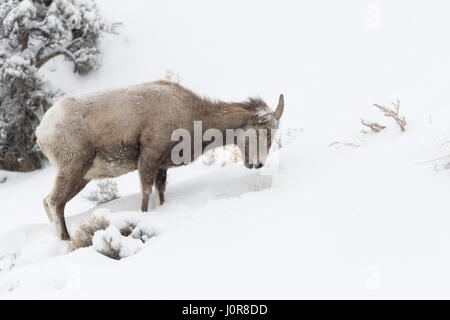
(108, 134)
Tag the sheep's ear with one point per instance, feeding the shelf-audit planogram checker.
(279, 111)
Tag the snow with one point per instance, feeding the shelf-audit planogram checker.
(363, 221)
(25, 11)
(16, 67)
(18, 60)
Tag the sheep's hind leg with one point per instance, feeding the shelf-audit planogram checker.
(147, 171)
(67, 185)
(160, 186)
(47, 209)
(77, 190)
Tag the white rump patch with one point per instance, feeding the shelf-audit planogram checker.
(52, 117)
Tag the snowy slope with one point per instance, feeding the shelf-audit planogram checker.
(332, 222)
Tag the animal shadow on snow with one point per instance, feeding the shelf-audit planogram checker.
(35, 242)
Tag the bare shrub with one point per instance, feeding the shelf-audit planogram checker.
(394, 114)
(374, 126)
(87, 229)
(231, 154)
(106, 191)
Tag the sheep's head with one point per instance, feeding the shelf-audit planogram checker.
(255, 138)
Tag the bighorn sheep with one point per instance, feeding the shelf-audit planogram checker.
(108, 134)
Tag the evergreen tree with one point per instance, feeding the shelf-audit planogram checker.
(32, 32)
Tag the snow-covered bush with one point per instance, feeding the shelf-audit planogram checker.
(142, 232)
(106, 190)
(86, 230)
(32, 32)
(230, 154)
(134, 226)
(7, 261)
(209, 157)
(116, 236)
(112, 244)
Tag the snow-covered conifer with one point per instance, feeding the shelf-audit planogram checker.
(32, 32)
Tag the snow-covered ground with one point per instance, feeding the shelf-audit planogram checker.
(369, 220)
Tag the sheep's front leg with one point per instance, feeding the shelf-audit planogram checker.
(147, 171)
(160, 185)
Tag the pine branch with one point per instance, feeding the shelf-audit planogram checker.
(60, 51)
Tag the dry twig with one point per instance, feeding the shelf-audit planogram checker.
(348, 144)
(375, 127)
(394, 114)
(433, 160)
